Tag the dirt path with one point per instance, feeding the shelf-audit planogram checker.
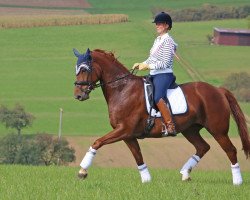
(169, 153)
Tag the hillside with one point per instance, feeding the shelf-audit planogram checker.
(37, 64)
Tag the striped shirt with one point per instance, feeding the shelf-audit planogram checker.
(161, 55)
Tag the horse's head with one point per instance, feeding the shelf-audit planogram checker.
(86, 78)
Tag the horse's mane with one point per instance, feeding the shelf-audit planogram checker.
(111, 56)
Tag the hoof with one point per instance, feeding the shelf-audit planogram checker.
(185, 175)
(237, 182)
(186, 179)
(82, 174)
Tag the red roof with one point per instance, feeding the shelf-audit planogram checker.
(227, 30)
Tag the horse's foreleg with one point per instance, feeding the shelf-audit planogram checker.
(116, 135)
(201, 146)
(136, 151)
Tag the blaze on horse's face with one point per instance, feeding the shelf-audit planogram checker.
(83, 83)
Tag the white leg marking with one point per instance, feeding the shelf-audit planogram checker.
(145, 175)
(237, 179)
(88, 158)
(188, 166)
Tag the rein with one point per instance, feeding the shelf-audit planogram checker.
(117, 79)
(92, 86)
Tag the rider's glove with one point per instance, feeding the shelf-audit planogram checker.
(141, 66)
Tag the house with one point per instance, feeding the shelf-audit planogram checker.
(235, 37)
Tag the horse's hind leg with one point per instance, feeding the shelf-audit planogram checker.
(202, 147)
(231, 152)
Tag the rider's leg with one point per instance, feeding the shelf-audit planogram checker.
(165, 112)
(161, 83)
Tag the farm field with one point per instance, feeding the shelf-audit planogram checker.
(140, 10)
(37, 64)
(27, 182)
(37, 71)
(46, 3)
(37, 68)
(45, 7)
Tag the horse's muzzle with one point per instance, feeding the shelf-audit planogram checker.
(82, 96)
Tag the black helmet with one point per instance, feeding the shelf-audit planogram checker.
(163, 17)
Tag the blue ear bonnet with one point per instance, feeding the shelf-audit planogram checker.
(83, 61)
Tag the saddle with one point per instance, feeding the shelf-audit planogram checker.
(175, 100)
(149, 86)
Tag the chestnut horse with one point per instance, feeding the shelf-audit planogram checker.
(209, 108)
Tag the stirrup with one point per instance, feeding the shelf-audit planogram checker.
(165, 132)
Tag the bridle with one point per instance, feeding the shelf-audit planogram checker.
(87, 67)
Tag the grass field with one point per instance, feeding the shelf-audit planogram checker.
(37, 71)
(25, 182)
(37, 67)
(37, 64)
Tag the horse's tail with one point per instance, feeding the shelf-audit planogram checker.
(240, 121)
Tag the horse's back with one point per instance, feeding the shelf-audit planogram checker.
(203, 90)
(206, 99)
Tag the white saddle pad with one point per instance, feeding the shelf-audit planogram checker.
(176, 99)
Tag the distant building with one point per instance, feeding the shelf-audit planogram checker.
(235, 37)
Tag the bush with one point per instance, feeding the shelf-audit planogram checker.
(206, 12)
(54, 150)
(239, 84)
(9, 146)
(41, 149)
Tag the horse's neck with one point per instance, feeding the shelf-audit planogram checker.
(117, 92)
(114, 81)
(114, 76)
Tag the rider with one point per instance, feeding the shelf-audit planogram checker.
(160, 64)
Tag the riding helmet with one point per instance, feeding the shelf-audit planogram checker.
(163, 17)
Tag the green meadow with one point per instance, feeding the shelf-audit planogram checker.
(26, 182)
(37, 71)
(37, 64)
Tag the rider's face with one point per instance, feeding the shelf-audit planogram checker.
(161, 28)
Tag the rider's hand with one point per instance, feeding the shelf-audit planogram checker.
(136, 66)
(143, 66)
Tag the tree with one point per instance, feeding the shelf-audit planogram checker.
(15, 118)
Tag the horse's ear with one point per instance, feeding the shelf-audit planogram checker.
(88, 55)
(88, 51)
(77, 54)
